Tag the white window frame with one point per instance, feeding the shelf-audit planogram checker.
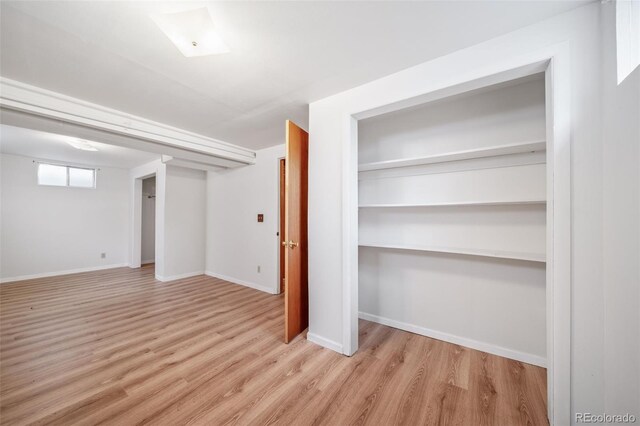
(67, 183)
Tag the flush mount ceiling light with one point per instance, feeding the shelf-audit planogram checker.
(80, 144)
(192, 32)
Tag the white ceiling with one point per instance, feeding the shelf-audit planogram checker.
(49, 146)
(283, 54)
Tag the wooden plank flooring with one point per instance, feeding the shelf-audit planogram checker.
(117, 347)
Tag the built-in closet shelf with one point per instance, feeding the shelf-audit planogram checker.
(456, 203)
(531, 257)
(491, 151)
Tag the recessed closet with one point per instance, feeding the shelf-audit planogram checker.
(452, 219)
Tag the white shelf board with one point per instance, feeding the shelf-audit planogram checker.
(532, 257)
(491, 151)
(457, 203)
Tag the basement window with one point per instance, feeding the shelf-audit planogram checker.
(57, 175)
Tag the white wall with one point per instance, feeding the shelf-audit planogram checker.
(604, 161)
(500, 115)
(621, 230)
(236, 243)
(180, 219)
(184, 223)
(52, 229)
(148, 220)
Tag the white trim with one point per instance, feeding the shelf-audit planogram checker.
(179, 276)
(136, 176)
(146, 262)
(33, 100)
(462, 341)
(325, 343)
(350, 236)
(240, 282)
(559, 247)
(65, 272)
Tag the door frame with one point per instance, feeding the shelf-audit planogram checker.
(155, 230)
(281, 201)
(137, 175)
(136, 231)
(554, 62)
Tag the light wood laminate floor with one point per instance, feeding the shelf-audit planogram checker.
(118, 347)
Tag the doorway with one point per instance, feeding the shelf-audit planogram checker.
(148, 218)
(147, 182)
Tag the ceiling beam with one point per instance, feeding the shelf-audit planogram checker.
(29, 106)
(190, 164)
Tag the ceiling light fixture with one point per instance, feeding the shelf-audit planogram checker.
(192, 31)
(83, 145)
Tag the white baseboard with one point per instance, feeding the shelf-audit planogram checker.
(179, 276)
(241, 282)
(146, 262)
(65, 272)
(462, 341)
(325, 343)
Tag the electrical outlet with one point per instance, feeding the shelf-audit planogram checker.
(103, 255)
(258, 268)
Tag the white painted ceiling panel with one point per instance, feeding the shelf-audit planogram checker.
(283, 54)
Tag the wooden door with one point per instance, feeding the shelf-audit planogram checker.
(296, 299)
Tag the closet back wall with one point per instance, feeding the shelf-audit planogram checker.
(456, 249)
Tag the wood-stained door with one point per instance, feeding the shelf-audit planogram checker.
(296, 296)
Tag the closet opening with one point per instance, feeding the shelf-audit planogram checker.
(452, 223)
(148, 222)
